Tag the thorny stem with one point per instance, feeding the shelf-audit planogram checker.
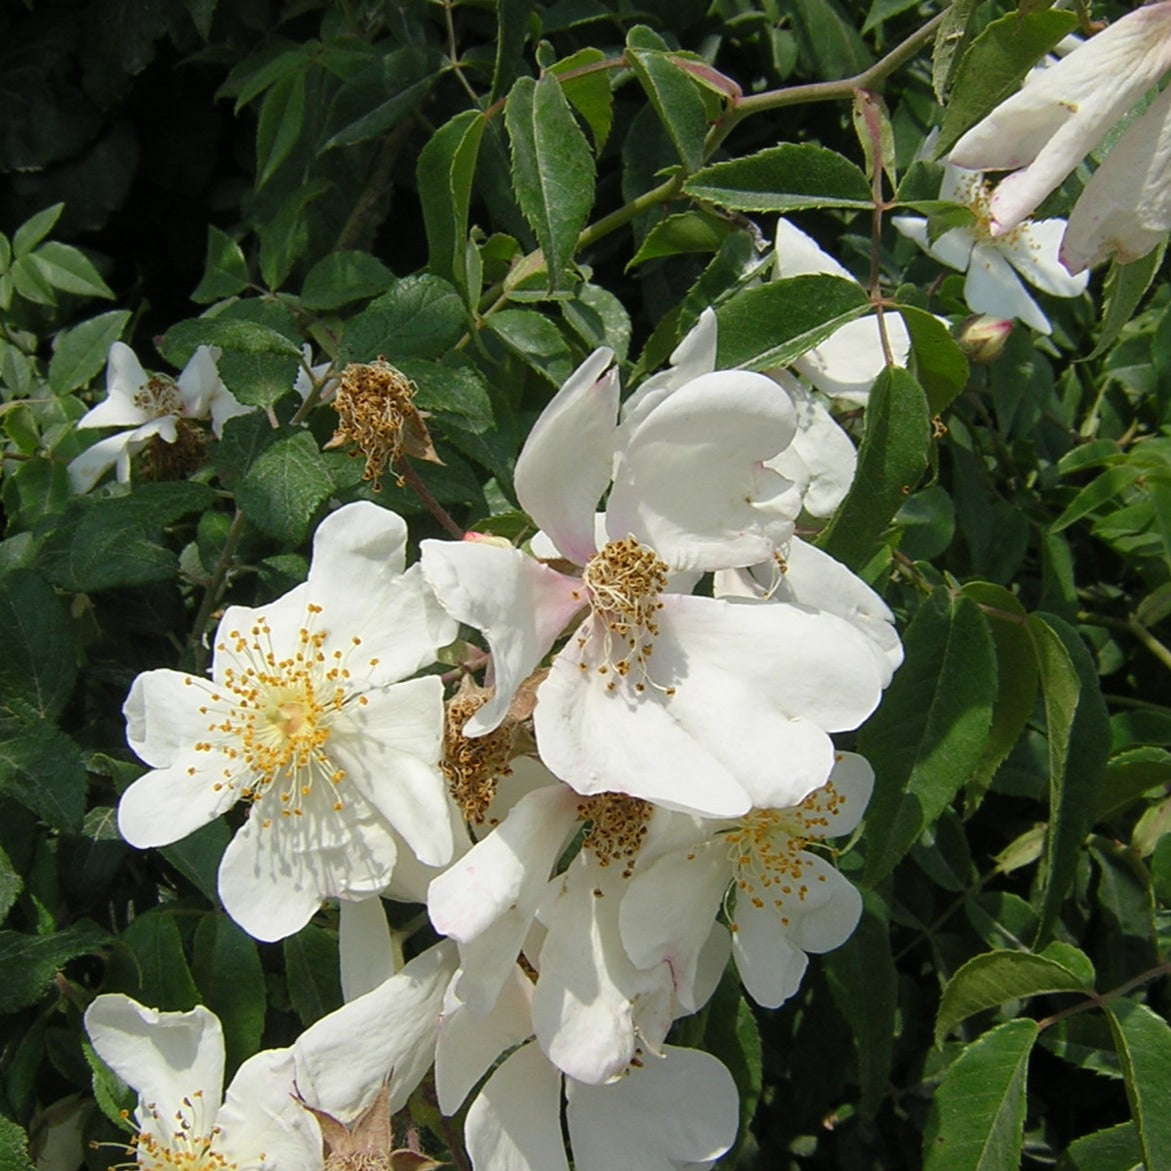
(1101, 999)
(453, 55)
(358, 222)
(211, 594)
(405, 469)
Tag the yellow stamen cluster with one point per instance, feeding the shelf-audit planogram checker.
(375, 407)
(473, 766)
(158, 396)
(617, 828)
(190, 1146)
(271, 716)
(624, 581)
(767, 849)
(976, 193)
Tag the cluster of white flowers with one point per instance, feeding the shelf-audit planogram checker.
(639, 789)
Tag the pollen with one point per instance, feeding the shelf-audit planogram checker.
(473, 766)
(376, 411)
(617, 826)
(182, 1141)
(158, 397)
(271, 717)
(624, 582)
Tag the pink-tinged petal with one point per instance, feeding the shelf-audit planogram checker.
(564, 466)
(164, 1056)
(993, 287)
(829, 913)
(515, 1122)
(167, 804)
(125, 377)
(1063, 111)
(518, 604)
(357, 577)
(691, 481)
(1032, 250)
(262, 1117)
(668, 910)
(680, 1109)
(273, 878)
(593, 1011)
(389, 747)
(846, 364)
(365, 948)
(770, 966)
(163, 720)
(344, 1058)
(1125, 209)
(469, 1043)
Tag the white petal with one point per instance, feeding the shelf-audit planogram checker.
(679, 1109)
(357, 576)
(1032, 250)
(200, 382)
(798, 254)
(468, 1043)
(389, 748)
(518, 604)
(819, 925)
(593, 1011)
(125, 377)
(993, 287)
(668, 910)
(564, 466)
(515, 1122)
(365, 948)
(261, 1116)
(691, 482)
(842, 806)
(86, 469)
(1125, 208)
(167, 804)
(846, 364)
(163, 720)
(345, 1057)
(770, 966)
(164, 1056)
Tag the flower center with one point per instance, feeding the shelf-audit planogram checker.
(190, 1146)
(624, 581)
(617, 826)
(767, 849)
(158, 396)
(976, 192)
(473, 766)
(272, 717)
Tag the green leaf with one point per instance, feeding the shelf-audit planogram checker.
(285, 487)
(421, 316)
(536, 340)
(783, 178)
(883, 10)
(1016, 672)
(197, 857)
(446, 167)
(80, 353)
(996, 977)
(71, 271)
(39, 664)
(773, 324)
(1143, 1041)
(673, 95)
(1123, 289)
(35, 229)
(28, 963)
(1129, 775)
(225, 270)
(1114, 1149)
(977, 1116)
(248, 337)
(30, 282)
(41, 767)
(891, 460)
(552, 169)
(950, 41)
(1078, 731)
(864, 982)
(226, 968)
(993, 67)
(929, 733)
(98, 543)
(1100, 490)
(731, 1034)
(939, 364)
(512, 26)
(110, 1092)
(689, 231)
(11, 884)
(311, 965)
(164, 977)
(340, 278)
(281, 124)
(14, 1154)
(589, 93)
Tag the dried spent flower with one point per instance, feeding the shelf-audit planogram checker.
(376, 411)
(367, 1143)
